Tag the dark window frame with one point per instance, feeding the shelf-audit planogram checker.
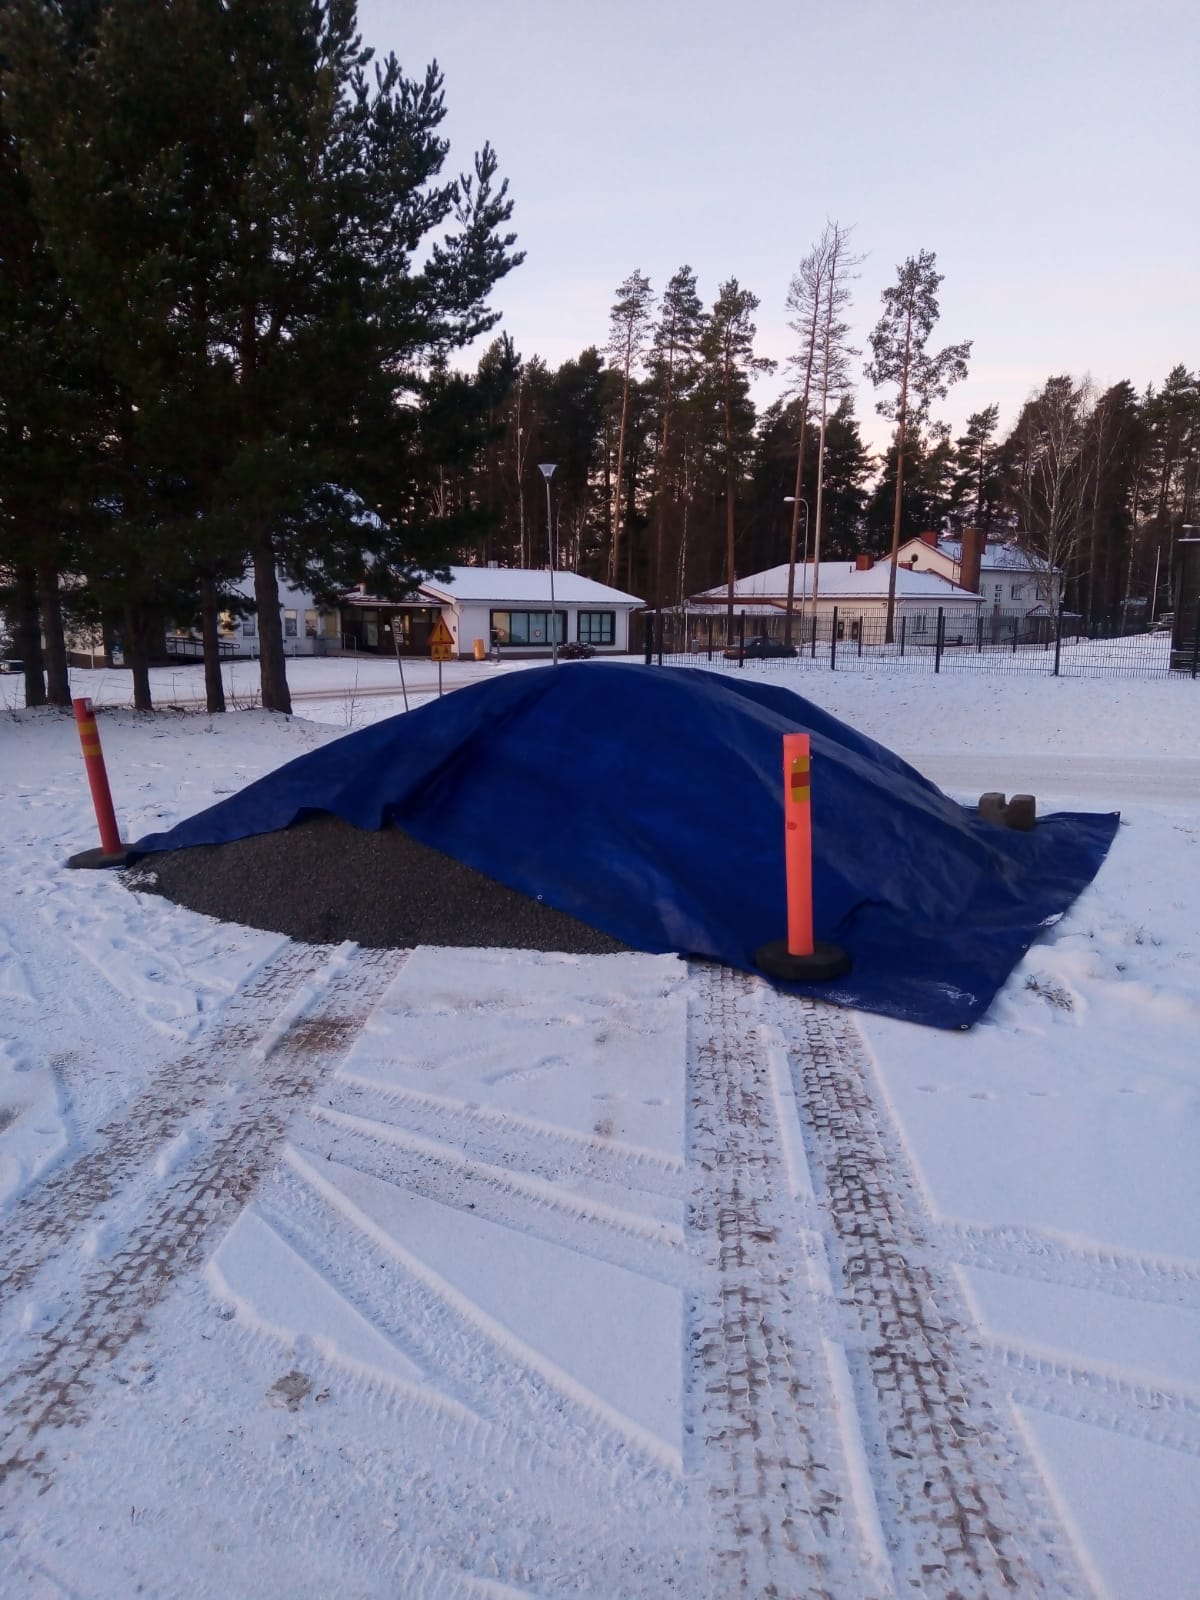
(588, 635)
(506, 634)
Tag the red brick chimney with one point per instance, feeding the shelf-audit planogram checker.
(863, 563)
(973, 542)
(929, 537)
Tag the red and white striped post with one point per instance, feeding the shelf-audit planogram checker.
(112, 852)
(800, 958)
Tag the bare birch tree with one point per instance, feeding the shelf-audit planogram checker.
(805, 299)
(1052, 476)
(832, 366)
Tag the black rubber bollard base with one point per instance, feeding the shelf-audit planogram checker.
(826, 962)
(99, 858)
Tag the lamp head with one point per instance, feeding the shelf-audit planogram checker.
(546, 468)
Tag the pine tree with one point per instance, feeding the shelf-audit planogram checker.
(977, 486)
(629, 332)
(240, 210)
(674, 368)
(899, 356)
(730, 363)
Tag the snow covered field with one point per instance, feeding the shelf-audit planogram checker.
(486, 1273)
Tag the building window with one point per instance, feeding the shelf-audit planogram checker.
(998, 588)
(1014, 592)
(247, 627)
(289, 624)
(527, 627)
(597, 627)
(920, 622)
(310, 624)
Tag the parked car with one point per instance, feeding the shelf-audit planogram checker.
(758, 649)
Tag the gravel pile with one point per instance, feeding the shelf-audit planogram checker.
(323, 881)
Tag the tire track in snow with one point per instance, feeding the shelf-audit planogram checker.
(462, 1352)
(489, 1135)
(763, 1395)
(48, 1384)
(501, 1193)
(1033, 1254)
(51, 1215)
(963, 1507)
(1155, 1413)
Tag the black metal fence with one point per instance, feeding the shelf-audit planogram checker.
(941, 639)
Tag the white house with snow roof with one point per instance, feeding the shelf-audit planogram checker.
(1007, 576)
(857, 591)
(509, 607)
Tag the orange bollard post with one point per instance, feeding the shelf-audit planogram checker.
(112, 852)
(800, 958)
(797, 841)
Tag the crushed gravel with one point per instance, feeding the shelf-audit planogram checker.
(324, 881)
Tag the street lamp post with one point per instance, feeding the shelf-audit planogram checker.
(792, 500)
(546, 468)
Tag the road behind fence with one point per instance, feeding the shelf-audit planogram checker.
(937, 640)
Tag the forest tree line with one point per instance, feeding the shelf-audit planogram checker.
(235, 289)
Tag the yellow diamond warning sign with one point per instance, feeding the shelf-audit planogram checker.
(441, 641)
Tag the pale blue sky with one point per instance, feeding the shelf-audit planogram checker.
(1046, 152)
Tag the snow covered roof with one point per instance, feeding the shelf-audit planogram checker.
(843, 580)
(525, 585)
(1003, 557)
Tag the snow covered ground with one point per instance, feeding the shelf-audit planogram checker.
(489, 1273)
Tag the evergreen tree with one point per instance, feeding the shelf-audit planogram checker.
(977, 488)
(239, 208)
(629, 332)
(899, 356)
(674, 370)
(573, 438)
(727, 349)
(848, 466)
(53, 421)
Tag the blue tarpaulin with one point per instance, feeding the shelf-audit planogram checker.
(648, 802)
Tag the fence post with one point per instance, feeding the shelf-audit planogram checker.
(710, 623)
(1196, 641)
(741, 640)
(860, 634)
(941, 640)
(648, 637)
(1058, 639)
(833, 641)
(978, 630)
(661, 621)
(903, 626)
(1016, 625)
(812, 654)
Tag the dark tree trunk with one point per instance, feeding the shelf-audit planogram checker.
(272, 666)
(210, 624)
(54, 643)
(28, 641)
(136, 659)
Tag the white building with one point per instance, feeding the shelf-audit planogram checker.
(1007, 577)
(507, 606)
(856, 590)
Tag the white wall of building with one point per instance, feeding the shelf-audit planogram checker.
(469, 620)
